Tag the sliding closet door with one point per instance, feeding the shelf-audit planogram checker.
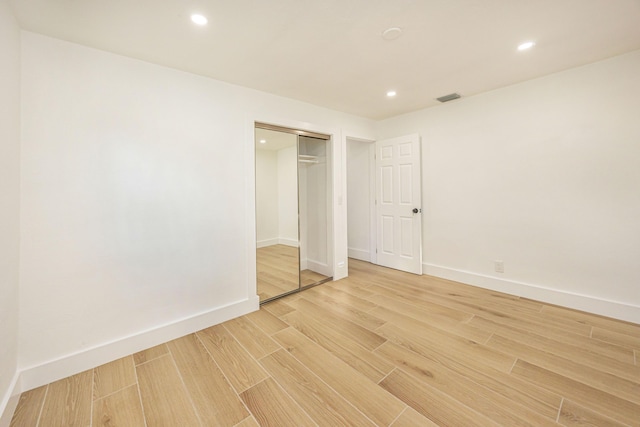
(314, 183)
(293, 210)
(277, 256)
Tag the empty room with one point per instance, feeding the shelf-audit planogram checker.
(319, 213)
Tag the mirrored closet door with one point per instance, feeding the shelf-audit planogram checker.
(293, 210)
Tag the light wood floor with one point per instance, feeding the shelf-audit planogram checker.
(278, 271)
(379, 348)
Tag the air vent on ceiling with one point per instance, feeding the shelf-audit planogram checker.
(449, 97)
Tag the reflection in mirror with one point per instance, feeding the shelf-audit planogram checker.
(276, 213)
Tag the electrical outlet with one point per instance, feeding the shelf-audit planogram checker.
(498, 266)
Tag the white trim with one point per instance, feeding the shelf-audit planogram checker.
(615, 309)
(288, 242)
(250, 209)
(338, 228)
(373, 225)
(361, 254)
(319, 267)
(71, 364)
(277, 241)
(267, 242)
(10, 401)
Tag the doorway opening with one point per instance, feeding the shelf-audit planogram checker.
(384, 208)
(361, 195)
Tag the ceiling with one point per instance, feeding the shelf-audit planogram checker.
(274, 141)
(331, 52)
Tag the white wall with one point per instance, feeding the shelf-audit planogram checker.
(267, 207)
(277, 196)
(358, 196)
(9, 200)
(543, 175)
(288, 195)
(137, 202)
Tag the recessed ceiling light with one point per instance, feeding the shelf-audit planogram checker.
(263, 141)
(526, 45)
(198, 19)
(391, 33)
(391, 93)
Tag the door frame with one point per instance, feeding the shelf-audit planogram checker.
(373, 221)
(373, 234)
(338, 223)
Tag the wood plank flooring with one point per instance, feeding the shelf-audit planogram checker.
(381, 348)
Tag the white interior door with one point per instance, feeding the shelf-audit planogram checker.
(398, 203)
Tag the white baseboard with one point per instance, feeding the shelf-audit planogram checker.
(614, 309)
(10, 401)
(35, 376)
(276, 241)
(361, 254)
(319, 267)
(288, 242)
(267, 242)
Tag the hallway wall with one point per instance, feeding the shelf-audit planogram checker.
(359, 200)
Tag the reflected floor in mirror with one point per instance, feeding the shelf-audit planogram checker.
(309, 277)
(277, 271)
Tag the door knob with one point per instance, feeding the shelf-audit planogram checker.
(416, 210)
